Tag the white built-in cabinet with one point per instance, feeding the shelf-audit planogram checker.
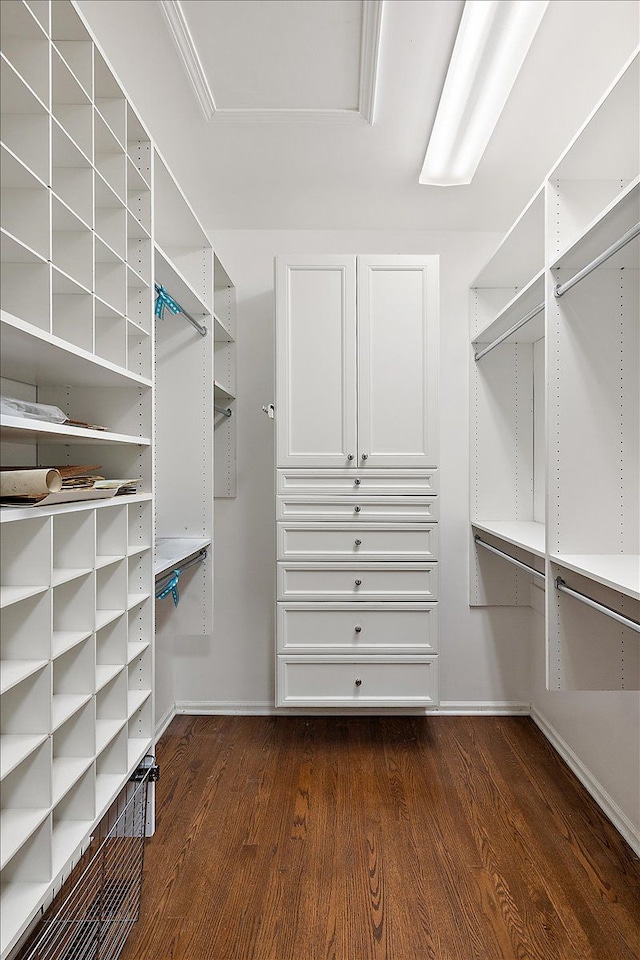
(91, 219)
(357, 481)
(555, 406)
(357, 362)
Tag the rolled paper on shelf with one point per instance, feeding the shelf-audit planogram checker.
(29, 483)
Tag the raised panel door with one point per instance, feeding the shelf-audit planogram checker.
(316, 361)
(397, 361)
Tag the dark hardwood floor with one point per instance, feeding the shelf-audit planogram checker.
(379, 838)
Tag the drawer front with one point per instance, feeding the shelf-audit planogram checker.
(353, 581)
(357, 682)
(362, 627)
(365, 483)
(352, 541)
(387, 510)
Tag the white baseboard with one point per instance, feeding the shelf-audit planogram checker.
(260, 708)
(165, 720)
(608, 806)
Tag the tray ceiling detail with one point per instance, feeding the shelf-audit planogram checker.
(279, 60)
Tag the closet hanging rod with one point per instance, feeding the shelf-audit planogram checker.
(562, 288)
(202, 555)
(516, 326)
(224, 411)
(601, 607)
(164, 300)
(507, 556)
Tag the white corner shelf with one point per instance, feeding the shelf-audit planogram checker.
(525, 534)
(620, 572)
(174, 551)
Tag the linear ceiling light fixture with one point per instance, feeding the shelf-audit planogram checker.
(492, 42)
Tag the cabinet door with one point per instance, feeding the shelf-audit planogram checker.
(397, 361)
(316, 361)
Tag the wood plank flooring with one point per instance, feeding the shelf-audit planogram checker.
(379, 838)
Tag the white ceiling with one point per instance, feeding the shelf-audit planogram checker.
(262, 56)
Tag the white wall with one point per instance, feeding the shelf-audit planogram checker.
(484, 659)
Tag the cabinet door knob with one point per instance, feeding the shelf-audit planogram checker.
(358, 629)
(365, 456)
(356, 509)
(357, 481)
(357, 542)
(358, 682)
(349, 456)
(358, 583)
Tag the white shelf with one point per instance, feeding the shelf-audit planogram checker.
(18, 900)
(518, 307)
(67, 841)
(19, 430)
(178, 287)
(525, 534)
(103, 617)
(16, 747)
(64, 640)
(104, 560)
(135, 648)
(13, 672)
(108, 786)
(137, 749)
(9, 595)
(64, 705)
(67, 771)
(220, 393)
(65, 575)
(135, 699)
(220, 332)
(135, 599)
(106, 672)
(106, 730)
(16, 827)
(13, 514)
(172, 552)
(620, 572)
(520, 254)
(619, 216)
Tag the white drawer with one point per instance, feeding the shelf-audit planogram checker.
(357, 581)
(357, 682)
(353, 541)
(369, 509)
(362, 627)
(365, 483)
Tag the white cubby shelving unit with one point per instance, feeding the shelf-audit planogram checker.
(76, 586)
(556, 426)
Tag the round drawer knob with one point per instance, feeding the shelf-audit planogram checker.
(356, 509)
(358, 583)
(365, 456)
(358, 682)
(358, 629)
(357, 481)
(349, 456)
(357, 542)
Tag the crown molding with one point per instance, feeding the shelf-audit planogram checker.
(181, 35)
(369, 57)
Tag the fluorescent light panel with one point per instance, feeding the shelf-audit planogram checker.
(493, 39)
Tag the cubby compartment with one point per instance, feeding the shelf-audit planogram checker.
(26, 713)
(73, 42)
(139, 205)
(71, 311)
(139, 576)
(111, 648)
(72, 245)
(40, 10)
(25, 882)
(73, 613)
(73, 546)
(25, 122)
(109, 157)
(71, 106)
(111, 592)
(25, 46)
(72, 820)
(139, 260)
(24, 205)
(25, 639)
(139, 306)
(73, 681)
(110, 218)
(110, 333)
(25, 552)
(111, 769)
(111, 710)
(71, 181)
(139, 732)
(111, 277)
(140, 629)
(73, 751)
(111, 535)
(139, 680)
(138, 358)
(138, 147)
(25, 284)
(109, 98)
(25, 801)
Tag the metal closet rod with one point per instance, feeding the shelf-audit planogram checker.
(516, 326)
(182, 567)
(507, 556)
(601, 607)
(225, 411)
(562, 288)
